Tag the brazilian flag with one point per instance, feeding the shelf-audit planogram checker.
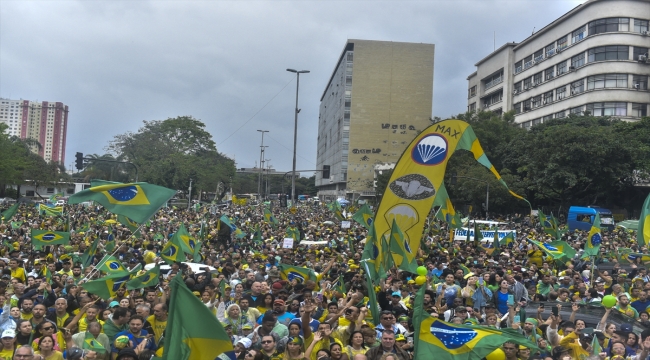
(372, 254)
(269, 218)
(138, 201)
(224, 219)
(592, 247)
(107, 286)
(188, 243)
(364, 216)
(90, 343)
(9, 213)
(112, 266)
(290, 272)
(550, 250)
(643, 231)
(47, 237)
(564, 248)
(89, 254)
(335, 207)
(130, 224)
(457, 342)
(196, 331)
(196, 256)
(446, 211)
(173, 250)
(148, 279)
(45, 210)
(293, 232)
(509, 239)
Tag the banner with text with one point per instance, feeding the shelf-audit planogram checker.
(488, 235)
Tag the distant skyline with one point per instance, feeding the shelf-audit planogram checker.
(117, 63)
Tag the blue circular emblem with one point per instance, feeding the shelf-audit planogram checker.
(124, 193)
(430, 150)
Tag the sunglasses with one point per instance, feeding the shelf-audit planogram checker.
(49, 328)
(267, 341)
(248, 354)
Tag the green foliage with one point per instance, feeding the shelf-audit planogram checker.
(247, 184)
(172, 151)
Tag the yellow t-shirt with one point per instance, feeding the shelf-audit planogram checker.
(61, 320)
(149, 257)
(56, 355)
(157, 326)
(7, 354)
(26, 316)
(19, 273)
(83, 324)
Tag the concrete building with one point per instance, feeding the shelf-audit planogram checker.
(377, 100)
(46, 122)
(593, 58)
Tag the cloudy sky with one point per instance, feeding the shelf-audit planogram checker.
(116, 63)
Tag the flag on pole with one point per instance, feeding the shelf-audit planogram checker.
(269, 218)
(47, 237)
(364, 216)
(290, 272)
(107, 286)
(592, 247)
(112, 266)
(173, 251)
(399, 248)
(138, 201)
(197, 334)
(446, 212)
(148, 279)
(643, 231)
(9, 213)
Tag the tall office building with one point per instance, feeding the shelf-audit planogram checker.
(592, 59)
(377, 100)
(46, 122)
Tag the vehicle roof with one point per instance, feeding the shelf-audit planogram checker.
(590, 209)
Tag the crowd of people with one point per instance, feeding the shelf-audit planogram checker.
(47, 313)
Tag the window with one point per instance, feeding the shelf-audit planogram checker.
(639, 110)
(547, 117)
(518, 86)
(578, 34)
(537, 101)
(493, 99)
(612, 52)
(549, 73)
(526, 83)
(350, 56)
(578, 60)
(538, 55)
(550, 50)
(537, 78)
(50, 190)
(519, 66)
(607, 81)
(561, 43)
(472, 107)
(577, 87)
(607, 109)
(640, 25)
(527, 104)
(638, 51)
(609, 25)
(561, 68)
(548, 97)
(560, 115)
(640, 82)
(526, 125)
(493, 80)
(517, 108)
(528, 62)
(576, 110)
(472, 91)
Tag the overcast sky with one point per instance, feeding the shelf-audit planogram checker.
(116, 63)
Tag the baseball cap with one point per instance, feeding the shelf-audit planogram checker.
(8, 334)
(624, 327)
(278, 301)
(400, 337)
(113, 304)
(397, 293)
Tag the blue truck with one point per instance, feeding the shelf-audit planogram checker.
(581, 218)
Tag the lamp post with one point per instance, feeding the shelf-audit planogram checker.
(259, 180)
(295, 135)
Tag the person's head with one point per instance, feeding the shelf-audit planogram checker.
(8, 337)
(256, 288)
(60, 305)
(386, 319)
(491, 320)
(387, 340)
(449, 279)
(610, 328)
(356, 338)
(135, 324)
(279, 306)
(121, 316)
(233, 311)
(369, 336)
(120, 292)
(151, 296)
(335, 350)
(268, 343)
(580, 324)
(295, 344)
(268, 322)
(510, 349)
(322, 354)
(294, 329)
(250, 354)
(46, 328)
(623, 300)
(125, 303)
(24, 352)
(15, 312)
(94, 328)
(352, 313)
(76, 270)
(160, 311)
(618, 348)
(39, 311)
(28, 305)
(632, 340)
(143, 310)
(24, 327)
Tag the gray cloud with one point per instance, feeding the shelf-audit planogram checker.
(116, 63)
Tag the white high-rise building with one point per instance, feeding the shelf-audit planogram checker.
(592, 59)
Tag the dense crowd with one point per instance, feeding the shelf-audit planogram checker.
(48, 314)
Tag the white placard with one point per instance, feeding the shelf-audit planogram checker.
(488, 235)
(345, 224)
(288, 243)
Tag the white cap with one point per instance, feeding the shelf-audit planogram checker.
(8, 334)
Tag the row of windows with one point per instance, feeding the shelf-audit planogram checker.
(595, 109)
(592, 28)
(593, 82)
(601, 53)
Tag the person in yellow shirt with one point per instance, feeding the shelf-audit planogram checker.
(17, 271)
(91, 315)
(149, 254)
(158, 321)
(8, 344)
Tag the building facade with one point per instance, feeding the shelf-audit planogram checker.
(592, 59)
(377, 100)
(45, 122)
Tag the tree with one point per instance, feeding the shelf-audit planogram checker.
(173, 151)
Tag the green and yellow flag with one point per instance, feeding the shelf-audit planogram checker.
(107, 286)
(138, 201)
(400, 250)
(446, 213)
(55, 197)
(187, 241)
(550, 250)
(9, 213)
(290, 272)
(335, 207)
(509, 239)
(112, 266)
(592, 247)
(643, 231)
(196, 332)
(173, 250)
(89, 253)
(45, 210)
(457, 342)
(364, 216)
(418, 175)
(47, 237)
(90, 343)
(269, 218)
(373, 253)
(148, 279)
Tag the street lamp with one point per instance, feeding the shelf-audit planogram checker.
(295, 136)
(259, 180)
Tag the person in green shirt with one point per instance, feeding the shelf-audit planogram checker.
(625, 308)
(117, 324)
(545, 285)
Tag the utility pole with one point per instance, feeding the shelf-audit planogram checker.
(268, 167)
(295, 135)
(189, 198)
(261, 164)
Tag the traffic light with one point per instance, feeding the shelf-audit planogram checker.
(283, 200)
(79, 164)
(326, 171)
